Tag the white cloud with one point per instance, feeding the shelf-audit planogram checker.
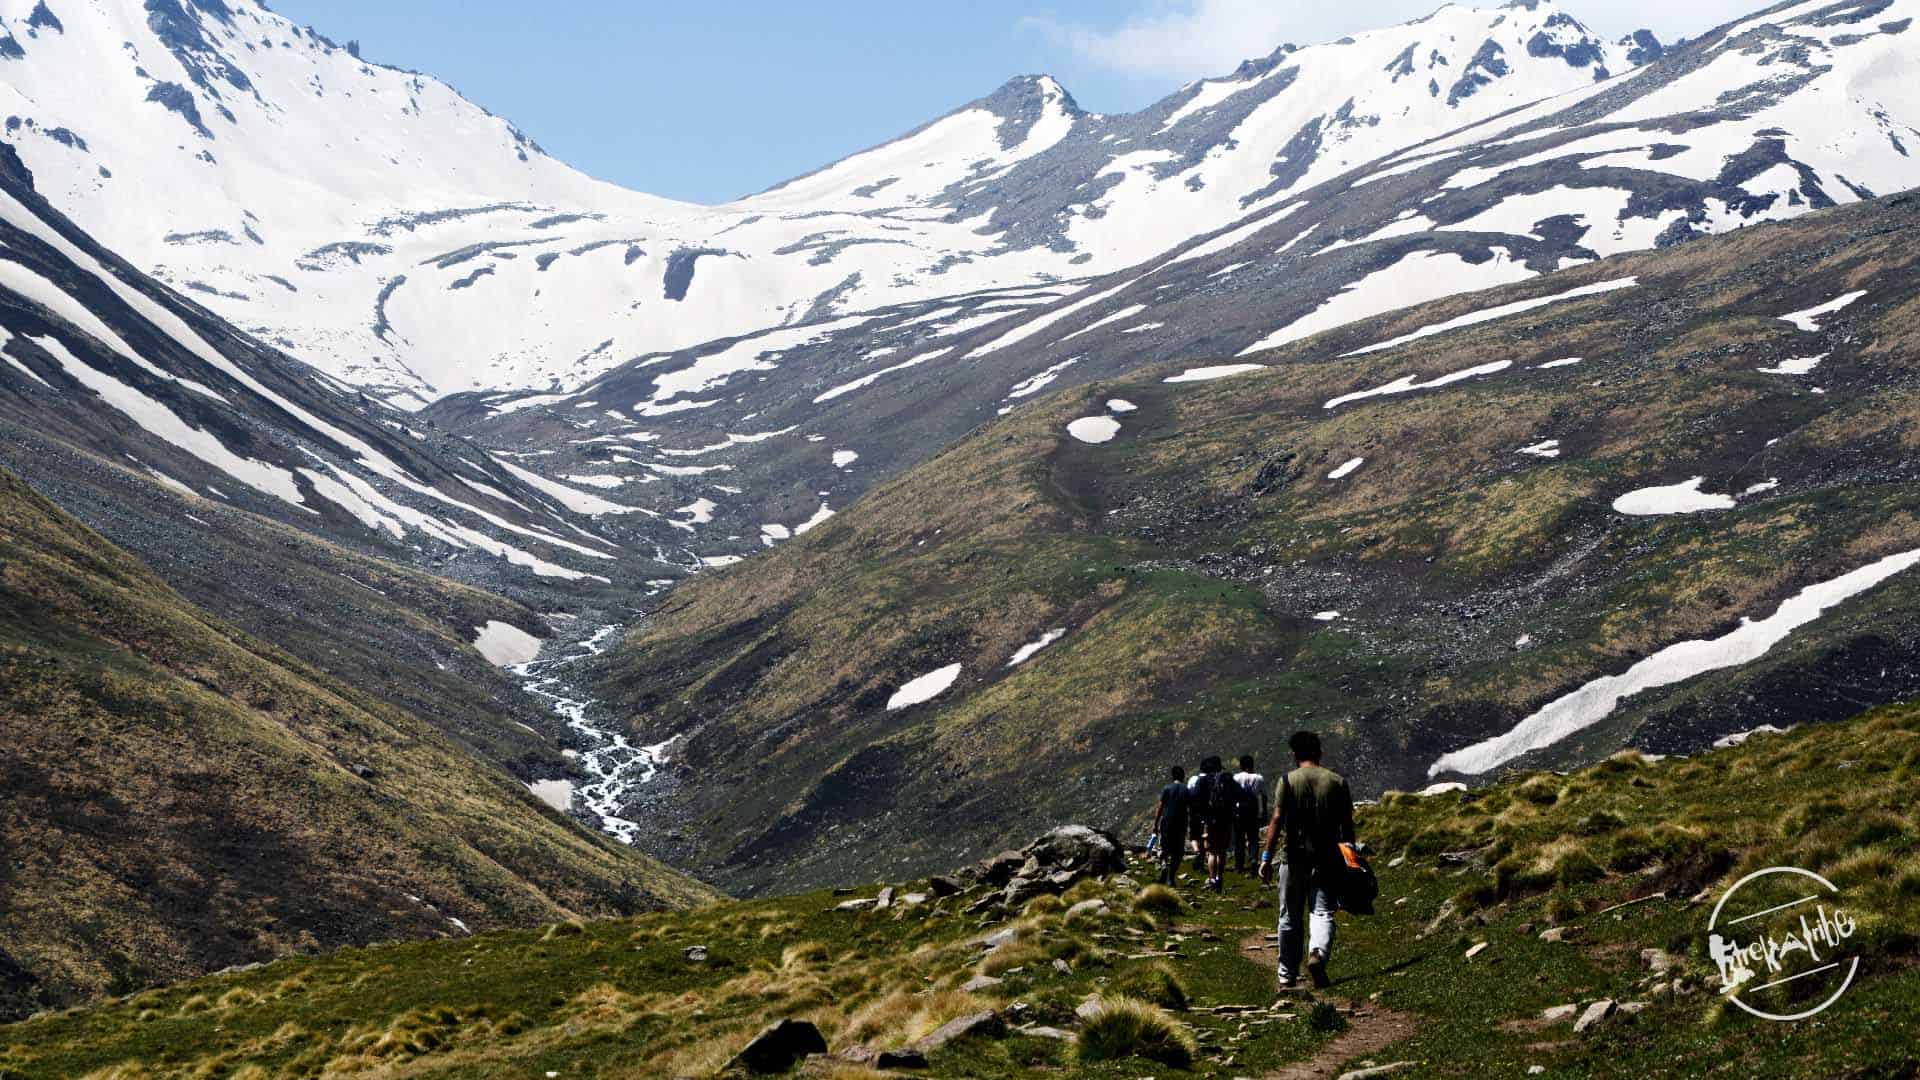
(1188, 39)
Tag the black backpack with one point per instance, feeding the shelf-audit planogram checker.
(1219, 796)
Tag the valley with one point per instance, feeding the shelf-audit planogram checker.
(421, 558)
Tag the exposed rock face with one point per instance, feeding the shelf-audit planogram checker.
(777, 1049)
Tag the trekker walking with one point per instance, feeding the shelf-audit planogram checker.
(1216, 800)
(1170, 824)
(1313, 814)
(1252, 811)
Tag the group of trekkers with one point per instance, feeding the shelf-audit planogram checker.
(1308, 817)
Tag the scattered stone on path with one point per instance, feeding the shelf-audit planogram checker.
(1379, 1070)
(1092, 908)
(1596, 1012)
(778, 1048)
(980, 1023)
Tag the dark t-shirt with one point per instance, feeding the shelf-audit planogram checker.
(1316, 812)
(1173, 812)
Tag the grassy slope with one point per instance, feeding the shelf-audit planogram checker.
(618, 998)
(1186, 558)
(182, 796)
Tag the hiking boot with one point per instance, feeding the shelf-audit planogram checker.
(1215, 884)
(1317, 968)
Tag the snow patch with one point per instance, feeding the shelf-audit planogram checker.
(925, 688)
(1207, 374)
(1810, 319)
(1094, 429)
(1025, 652)
(1681, 498)
(1346, 470)
(1596, 700)
(504, 644)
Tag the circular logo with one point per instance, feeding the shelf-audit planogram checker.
(1779, 937)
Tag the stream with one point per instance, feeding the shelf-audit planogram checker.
(617, 768)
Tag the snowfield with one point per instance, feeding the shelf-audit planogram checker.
(504, 644)
(1682, 498)
(925, 688)
(1594, 702)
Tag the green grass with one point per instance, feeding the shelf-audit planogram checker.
(619, 998)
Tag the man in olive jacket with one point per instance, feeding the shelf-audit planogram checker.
(1313, 814)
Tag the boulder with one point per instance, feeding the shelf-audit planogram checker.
(778, 1049)
(998, 938)
(884, 900)
(1021, 889)
(696, 954)
(1658, 961)
(1089, 1008)
(1555, 1013)
(1596, 1014)
(986, 1024)
(979, 983)
(1077, 847)
(914, 899)
(1560, 933)
(1042, 1031)
(855, 905)
(945, 885)
(1000, 869)
(1633, 1008)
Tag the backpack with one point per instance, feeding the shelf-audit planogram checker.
(1358, 887)
(1219, 796)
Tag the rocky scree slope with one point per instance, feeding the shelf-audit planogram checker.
(1421, 534)
(183, 796)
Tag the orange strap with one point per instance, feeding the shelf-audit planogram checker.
(1353, 859)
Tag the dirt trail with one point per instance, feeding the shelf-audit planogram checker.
(1370, 1028)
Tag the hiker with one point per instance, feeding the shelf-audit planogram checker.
(1216, 801)
(1313, 814)
(1170, 824)
(1252, 811)
(1196, 824)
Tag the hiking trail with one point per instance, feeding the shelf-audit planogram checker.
(1370, 1027)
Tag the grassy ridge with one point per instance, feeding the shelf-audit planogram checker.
(621, 998)
(182, 796)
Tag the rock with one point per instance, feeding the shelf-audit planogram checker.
(1063, 879)
(861, 904)
(1525, 928)
(914, 899)
(1660, 989)
(857, 1055)
(1089, 1008)
(696, 954)
(944, 885)
(984, 904)
(1595, 1014)
(1062, 966)
(1477, 949)
(1633, 1008)
(778, 1048)
(884, 900)
(843, 890)
(1556, 1013)
(900, 1059)
(1124, 881)
(1536, 1070)
(1042, 1031)
(1000, 869)
(1658, 961)
(1560, 933)
(1087, 908)
(1022, 889)
(998, 938)
(979, 983)
(1379, 1070)
(985, 1024)
(1077, 847)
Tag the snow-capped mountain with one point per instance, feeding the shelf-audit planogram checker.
(407, 241)
(1799, 108)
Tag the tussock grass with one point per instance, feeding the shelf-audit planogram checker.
(1155, 983)
(1123, 1027)
(1158, 902)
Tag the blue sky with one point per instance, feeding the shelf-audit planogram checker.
(711, 101)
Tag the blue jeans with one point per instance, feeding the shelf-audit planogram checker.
(1306, 904)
